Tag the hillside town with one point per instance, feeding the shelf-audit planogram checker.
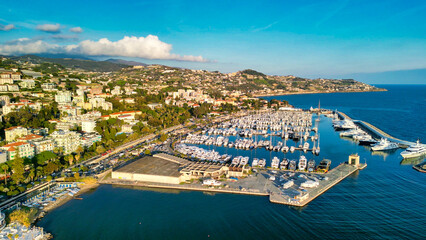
(54, 117)
(75, 102)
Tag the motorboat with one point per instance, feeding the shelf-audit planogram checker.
(255, 162)
(288, 184)
(275, 163)
(324, 165)
(383, 145)
(284, 164)
(211, 182)
(302, 163)
(292, 165)
(311, 165)
(367, 140)
(262, 163)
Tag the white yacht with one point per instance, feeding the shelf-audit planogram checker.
(288, 184)
(255, 162)
(262, 162)
(275, 162)
(415, 150)
(383, 145)
(302, 163)
(211, 182)
(284, 164)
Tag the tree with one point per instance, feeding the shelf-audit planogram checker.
(44, 157)
(70, 159)
(5, 168)
(100, 149)
(18, 169)
(77, 157)
(32, 174)
(163, 137)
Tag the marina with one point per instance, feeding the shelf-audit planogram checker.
(383, 201)
(305, 188)
(205, 165)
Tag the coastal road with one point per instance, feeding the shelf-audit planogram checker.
(13, 200)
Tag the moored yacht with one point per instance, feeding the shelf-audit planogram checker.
(255, 162)
(302, 163)
(262, 162)
(292, 165)
(275, 162)
(311, 165)
(284, 164)
(415, 150)
(383, 145)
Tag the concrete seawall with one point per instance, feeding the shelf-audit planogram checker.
(375, 130)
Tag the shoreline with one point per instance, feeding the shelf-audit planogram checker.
(313, 92)
(83, 189)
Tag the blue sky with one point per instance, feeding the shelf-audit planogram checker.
(304, 38)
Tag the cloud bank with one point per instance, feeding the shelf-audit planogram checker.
(76, 30)
(149, 47)
(7, 27)
(49, 28)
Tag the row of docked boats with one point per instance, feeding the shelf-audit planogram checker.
(249, 144)
(384, 144)
(302, 165)
(46, 197)
(274, 121)
(202, 154)
(350, 130)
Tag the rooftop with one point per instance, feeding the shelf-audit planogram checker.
(152, 166)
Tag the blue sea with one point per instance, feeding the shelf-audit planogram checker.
(387, 200)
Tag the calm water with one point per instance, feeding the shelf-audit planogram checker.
(401, 111)
(387, 200)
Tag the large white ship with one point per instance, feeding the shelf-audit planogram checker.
(415, 150)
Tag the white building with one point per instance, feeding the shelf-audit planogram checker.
(23, 149)
(98, 102)
(13, 107)
(68, 141)
(88, 126)
(13, 133)
(43, 144)
(89, 139)
(27, 83)
(4, 100)
(63, 97)
(48, 86)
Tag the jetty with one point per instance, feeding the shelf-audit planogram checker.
(334, 176)
(166, 173)
(375, 130)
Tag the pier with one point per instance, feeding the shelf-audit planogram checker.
(376, 131)
(264, 182)
(334, 176)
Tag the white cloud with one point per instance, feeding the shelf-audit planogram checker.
(76, 30)
(27, 46)
(50, 28)
(149, 47)
(7, 27)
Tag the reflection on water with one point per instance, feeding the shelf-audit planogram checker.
(159, 190)
(412, 161)
(384, 201)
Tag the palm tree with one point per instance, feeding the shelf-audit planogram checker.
(5, 167)
(32, 174)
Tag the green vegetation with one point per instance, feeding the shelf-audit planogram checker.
(253, 72)
(89, 65)
(24, 216)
